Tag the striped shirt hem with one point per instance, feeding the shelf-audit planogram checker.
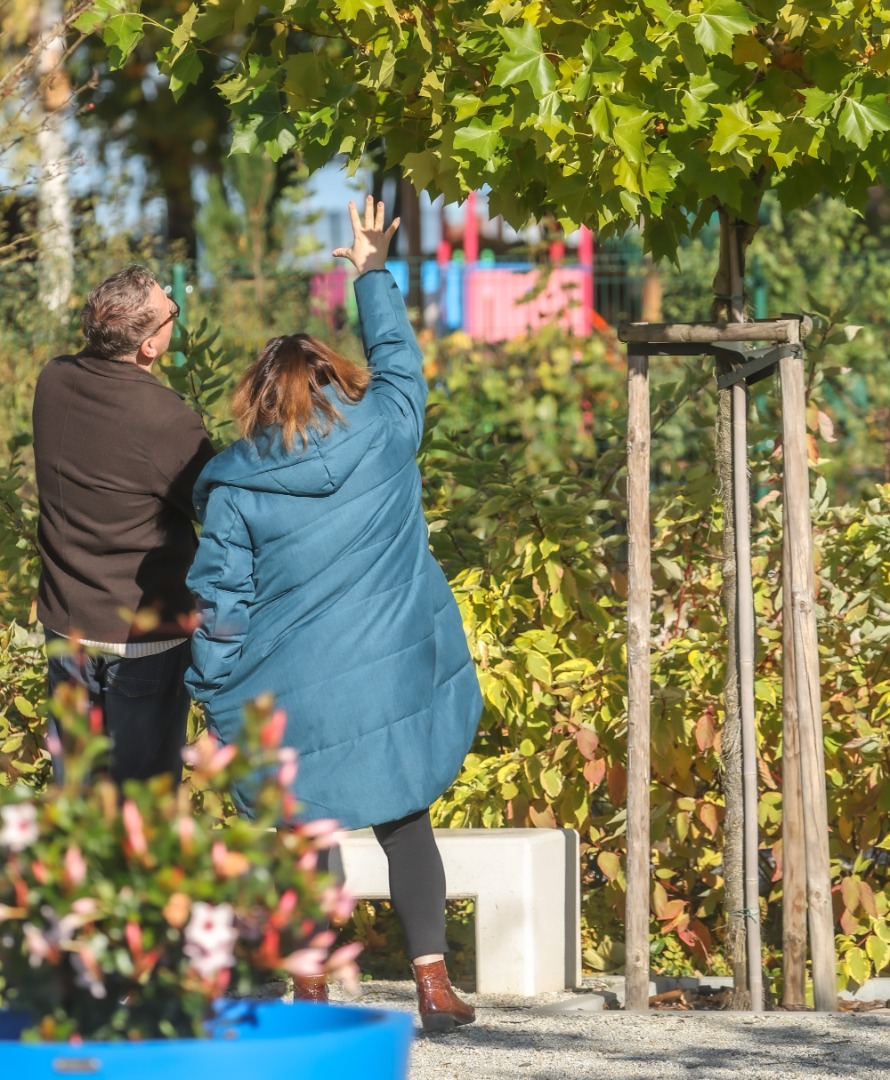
(131, 650)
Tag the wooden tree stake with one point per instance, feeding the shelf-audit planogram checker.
(802, 606)
(794, 854)
(639, 619)
(745, 623)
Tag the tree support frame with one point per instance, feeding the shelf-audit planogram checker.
(803, 770)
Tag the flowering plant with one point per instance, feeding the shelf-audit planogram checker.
(126, 914)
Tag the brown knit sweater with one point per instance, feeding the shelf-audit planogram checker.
(117, 456)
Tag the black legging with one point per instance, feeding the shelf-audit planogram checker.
(416, 881)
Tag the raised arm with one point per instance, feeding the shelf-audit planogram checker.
(390, 345)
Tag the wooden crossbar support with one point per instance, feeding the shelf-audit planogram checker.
(790, 329)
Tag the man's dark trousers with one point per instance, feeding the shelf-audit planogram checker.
(143, 702)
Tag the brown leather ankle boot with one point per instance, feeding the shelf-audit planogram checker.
(440, 1008)
(311, 988)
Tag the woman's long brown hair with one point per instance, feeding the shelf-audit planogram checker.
(283, 387)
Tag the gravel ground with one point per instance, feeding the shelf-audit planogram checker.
(561, 1037)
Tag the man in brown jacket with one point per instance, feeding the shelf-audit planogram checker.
(117, 455)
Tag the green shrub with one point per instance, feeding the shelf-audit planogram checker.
(523, 484)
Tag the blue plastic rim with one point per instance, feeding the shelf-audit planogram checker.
(271, 1040)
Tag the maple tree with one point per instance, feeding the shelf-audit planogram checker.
(602, 114)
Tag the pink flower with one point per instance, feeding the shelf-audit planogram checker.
(228, 863)
(210, 937)
(326, 832)
(133, 935)
(272, 732)
(337, 903)
(305, 962)
(222, 757)
(45, 944)
(19, 829)
(97, 722)
(89, 974)
(206, 754)
(308, 861)
(75, 865)
(287, 774)
(134, 826)
(37, 944)
(341, 965)
(285, 908)
(185, 826)
(176, 910)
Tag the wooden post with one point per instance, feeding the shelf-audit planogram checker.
(794, 855)
(745, 624)
(742, 696)
(801, 605)
(639, 617)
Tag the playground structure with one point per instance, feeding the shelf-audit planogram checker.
(467, 289)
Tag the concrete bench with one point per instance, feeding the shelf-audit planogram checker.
(526, 884)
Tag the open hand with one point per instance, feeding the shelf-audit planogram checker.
(370, 243)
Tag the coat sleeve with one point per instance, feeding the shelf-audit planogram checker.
(222, 580)
(392, 350)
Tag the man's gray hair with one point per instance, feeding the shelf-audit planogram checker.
(117, 316)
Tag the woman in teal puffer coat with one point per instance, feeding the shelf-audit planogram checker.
(314, 581)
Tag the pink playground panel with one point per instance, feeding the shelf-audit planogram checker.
(492, 311)
(328, 293)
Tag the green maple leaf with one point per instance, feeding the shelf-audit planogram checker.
(305, 78)
(420, 168)
(212, 22)
(525, 62)
(859, 120)
(733, 124)
(718, 23)
(244, 137)
(480, 138)
(98, 13)
(122, 32)
(818, 102)
(185, 69)
(629, 136)
(351, 9)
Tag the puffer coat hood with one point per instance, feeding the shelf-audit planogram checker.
(314, 581)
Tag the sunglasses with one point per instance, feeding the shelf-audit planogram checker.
(174, 314)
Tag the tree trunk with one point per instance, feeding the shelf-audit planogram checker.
(410, 228)
(180, 210)
(729, 307)
(55, 263)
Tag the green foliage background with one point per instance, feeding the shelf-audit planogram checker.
(523, 482)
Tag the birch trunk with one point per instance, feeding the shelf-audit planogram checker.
(55, 263)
